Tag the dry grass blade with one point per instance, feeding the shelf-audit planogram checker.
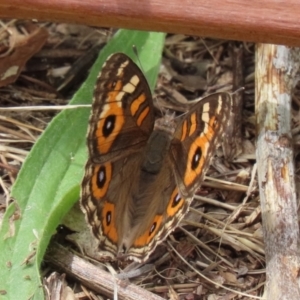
(208, 279)
(45, 108)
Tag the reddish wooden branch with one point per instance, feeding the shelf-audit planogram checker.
(276, 67)
(272, 21)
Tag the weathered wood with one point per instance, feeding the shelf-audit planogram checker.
(276, 67)
(272, 21)
(94, 277)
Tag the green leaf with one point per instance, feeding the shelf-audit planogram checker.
(49, 182)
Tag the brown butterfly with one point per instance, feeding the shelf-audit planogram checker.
(140, 177)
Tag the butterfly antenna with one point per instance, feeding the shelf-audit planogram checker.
(135, 51)
(179, 116)
(238, 90)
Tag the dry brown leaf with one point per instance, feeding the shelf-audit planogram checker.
(25, 46)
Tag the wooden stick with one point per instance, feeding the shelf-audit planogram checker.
(276, 67)
(269, 21)
(93, 277)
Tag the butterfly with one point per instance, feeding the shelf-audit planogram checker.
(141, 174)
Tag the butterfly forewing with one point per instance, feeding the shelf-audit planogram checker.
(122, 109)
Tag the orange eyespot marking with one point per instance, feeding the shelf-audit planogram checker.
(195, 160)
(110, 124)
(136, 103)
(198, 152)
(111, 119)
(142, 116)
(175, 203)
(109, 222)
(145, 238)
(100, 181)
(184, 130)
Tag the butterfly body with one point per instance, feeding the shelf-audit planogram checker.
(140, 178)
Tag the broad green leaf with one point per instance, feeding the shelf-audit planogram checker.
(49, 182)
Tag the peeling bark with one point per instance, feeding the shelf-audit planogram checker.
(276, 67)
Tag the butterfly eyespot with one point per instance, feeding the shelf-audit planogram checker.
(176, 200)
(109, 125)
(196, 158)
(101, 177)
(108, 218)
(152, 228)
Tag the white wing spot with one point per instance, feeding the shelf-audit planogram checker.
(205, 115)
(131, 85)
(123, 65)
(119, 98)
(105, 109)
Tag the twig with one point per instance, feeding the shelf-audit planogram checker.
(276, 67)
(95, 278)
